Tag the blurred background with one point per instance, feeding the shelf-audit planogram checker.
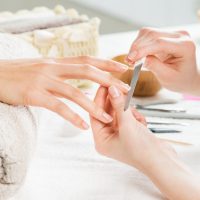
(118, 15)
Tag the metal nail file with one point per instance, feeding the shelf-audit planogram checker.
(136, 72)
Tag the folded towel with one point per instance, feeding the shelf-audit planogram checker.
(18, 126)
(17, 141)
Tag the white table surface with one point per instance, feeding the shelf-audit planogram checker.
(66, 165)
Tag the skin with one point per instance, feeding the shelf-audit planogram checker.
(171, 56)
(40, 83)
(132, 143)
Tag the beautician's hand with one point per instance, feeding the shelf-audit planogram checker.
(40, 82)
(128, 140)
(170, 56)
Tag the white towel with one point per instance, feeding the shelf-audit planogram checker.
(17, 141)
(18, 126)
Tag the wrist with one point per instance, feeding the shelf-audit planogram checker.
(149, 154)
(156, 155)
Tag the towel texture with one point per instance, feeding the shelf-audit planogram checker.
(18, 126)
(17, 141)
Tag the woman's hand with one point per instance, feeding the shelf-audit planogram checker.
(128, 140)
(40, 82)
(170, 56)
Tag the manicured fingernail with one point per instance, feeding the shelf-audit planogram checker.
(123, 68)
(107, 117)
(85, 125)
(131, 56)
(126, 86)
(114, 92)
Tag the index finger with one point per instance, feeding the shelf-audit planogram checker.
(147, 35)
(162, 45)
(103, 64)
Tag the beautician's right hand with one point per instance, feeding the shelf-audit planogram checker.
(41, 82)
(170, 56)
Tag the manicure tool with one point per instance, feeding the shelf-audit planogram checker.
(136, 72)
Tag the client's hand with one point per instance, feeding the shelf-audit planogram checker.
(171, 56)
(40, 82)
(127, 138)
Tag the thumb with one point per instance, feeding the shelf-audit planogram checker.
(156, 66)
(117, 101)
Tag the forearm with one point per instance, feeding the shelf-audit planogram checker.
(173, 178)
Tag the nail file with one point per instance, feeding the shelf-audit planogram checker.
(167, 123)
(164, 130)
(136, 72)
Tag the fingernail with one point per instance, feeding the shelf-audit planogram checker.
(114, 92)
(123, 68)
(126, 86)
(107, 117)
(127, 60)
(131, 56)
(85, 125)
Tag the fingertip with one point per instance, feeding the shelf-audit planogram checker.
(116, 99)
(85, 126)
(122, 67)
(132, 56)
(114, 92)
(115, 66)
(102, 89)
(128, 60)
(101, 95)
(125, 87)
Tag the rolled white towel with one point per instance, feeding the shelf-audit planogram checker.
(18, 126)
